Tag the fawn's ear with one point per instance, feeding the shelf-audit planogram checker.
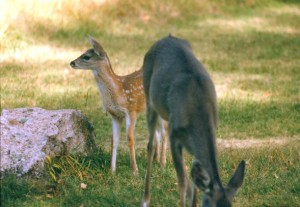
(237, 179)
(201, 177)
(97, 47)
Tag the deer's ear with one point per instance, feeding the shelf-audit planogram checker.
(201, 177)
(237, 179)
(97, 47)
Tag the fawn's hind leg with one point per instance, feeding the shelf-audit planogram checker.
(130, 125)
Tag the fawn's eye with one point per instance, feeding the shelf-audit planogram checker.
(86, 57)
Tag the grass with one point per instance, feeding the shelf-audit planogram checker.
(272, 179)
(251, 48)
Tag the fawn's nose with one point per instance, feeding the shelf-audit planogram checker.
(72, 64)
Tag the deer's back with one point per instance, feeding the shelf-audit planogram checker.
(176, 82)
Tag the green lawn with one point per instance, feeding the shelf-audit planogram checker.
(251, 48)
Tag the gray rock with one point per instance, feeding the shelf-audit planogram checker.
(28, 135)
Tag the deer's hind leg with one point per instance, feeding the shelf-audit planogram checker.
(151, 121)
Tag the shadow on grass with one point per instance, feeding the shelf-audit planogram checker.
(15, 191)
(255, 47)
(254, 120)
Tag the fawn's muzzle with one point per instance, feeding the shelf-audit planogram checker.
(72, 64)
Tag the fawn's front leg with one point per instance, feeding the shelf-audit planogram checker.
(130, 125)
(116, 127)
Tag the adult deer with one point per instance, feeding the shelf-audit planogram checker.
(122, 97)
(179, 89)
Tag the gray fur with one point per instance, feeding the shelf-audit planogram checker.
(180, 90)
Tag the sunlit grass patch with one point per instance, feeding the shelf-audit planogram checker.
(38, 53)
(286, 10)
(237, 86)
(236, 25)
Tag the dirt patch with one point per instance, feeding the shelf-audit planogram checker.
(249, 143)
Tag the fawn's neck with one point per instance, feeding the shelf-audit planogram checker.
(106, 77)
(108, 84)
